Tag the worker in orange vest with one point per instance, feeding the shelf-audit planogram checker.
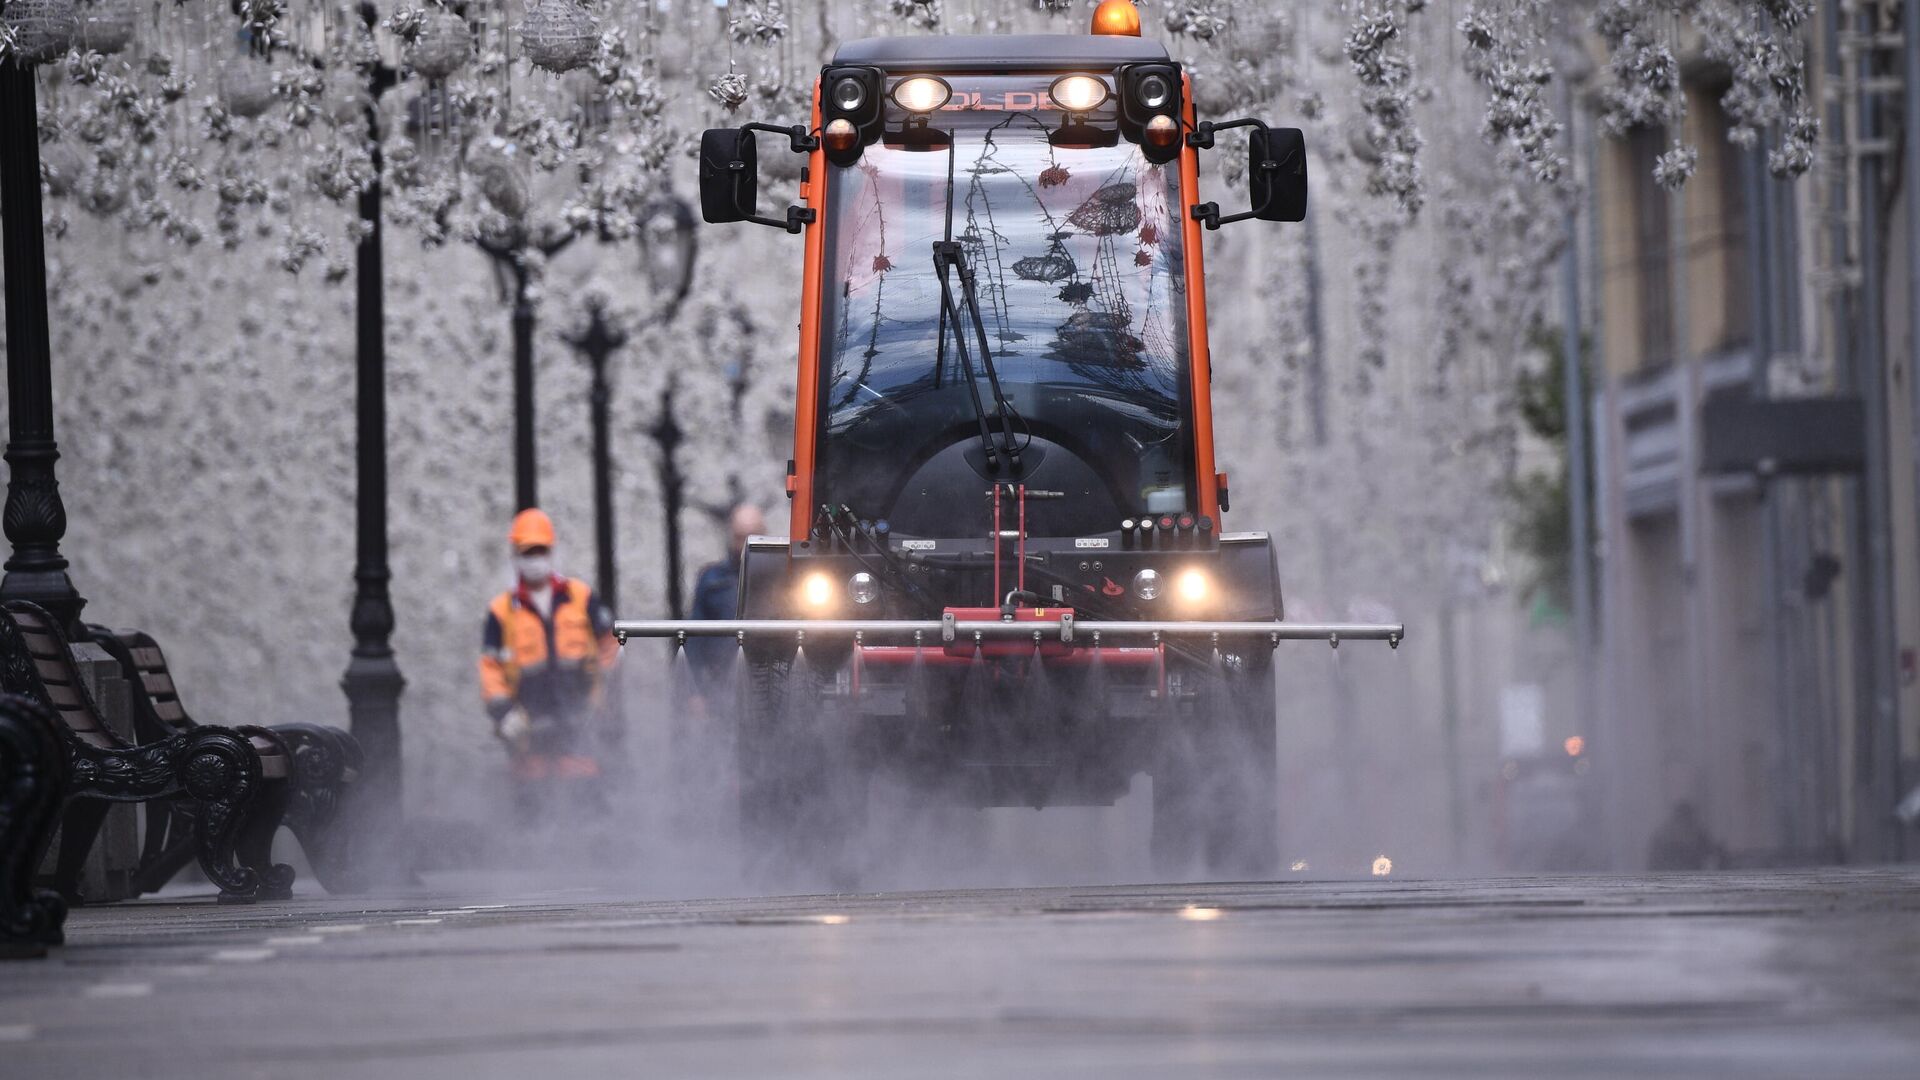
(545, 654)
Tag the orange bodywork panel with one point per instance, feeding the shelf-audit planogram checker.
(806, 408)
(1198, 363)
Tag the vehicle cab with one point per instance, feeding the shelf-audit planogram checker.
(1004, 386)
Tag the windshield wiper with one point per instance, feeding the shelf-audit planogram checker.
(948, 253)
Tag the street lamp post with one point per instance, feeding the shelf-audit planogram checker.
(509, 254)
(599, 340)
(667, 435)
(35, 518)
(668, 249)
(373, 681)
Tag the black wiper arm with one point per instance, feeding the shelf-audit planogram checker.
(949, 313)
(1000, 402)
(949, 253)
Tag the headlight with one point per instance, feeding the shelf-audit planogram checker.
(863, 588)
(1193, 586)
(1154, 92)
(1146, 584)
(849, 94)
(817, 590)
(921, 94)
(1077, 93)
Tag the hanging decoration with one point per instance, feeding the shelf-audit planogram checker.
(1758, 42)
(1110, 211)
(442, 45)
(246, 87)
(1517, 117)
(730, 90)
(1201, 20)
(919, 14)
(37, 31)
(106, 26)
(558, 35)
(1376, 51)
(760, 22)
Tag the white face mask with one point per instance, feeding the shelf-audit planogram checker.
(535, 570)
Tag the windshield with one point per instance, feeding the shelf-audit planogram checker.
(1076, 254)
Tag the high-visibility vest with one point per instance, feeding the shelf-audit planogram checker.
(548, 664)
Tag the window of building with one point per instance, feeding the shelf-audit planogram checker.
(1652, 244)
(1724, 232)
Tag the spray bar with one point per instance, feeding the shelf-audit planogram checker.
(945, 631)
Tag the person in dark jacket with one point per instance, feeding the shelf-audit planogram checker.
(716, 595)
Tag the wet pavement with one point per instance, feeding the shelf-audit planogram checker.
(1792, 974)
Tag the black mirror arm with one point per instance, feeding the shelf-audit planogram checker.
(798, 217)
(800, 142)
(1201, 137)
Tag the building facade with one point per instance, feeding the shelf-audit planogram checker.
(1754, 469)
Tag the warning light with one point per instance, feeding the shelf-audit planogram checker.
(1162, 132)
(1382, 866)
(1575, 746)
(840, 135)
(1116, 17)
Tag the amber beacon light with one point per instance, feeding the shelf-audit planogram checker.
(1116, 17)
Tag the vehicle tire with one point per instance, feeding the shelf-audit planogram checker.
(802, 796)
(1215, 786)
(1245, 840)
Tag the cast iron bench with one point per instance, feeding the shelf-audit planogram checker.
(33, 775)
(325, 762)
(223, 772)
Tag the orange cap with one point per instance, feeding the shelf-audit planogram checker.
(531, 528)
(1117, 17)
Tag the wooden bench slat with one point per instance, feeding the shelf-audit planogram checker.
(157, 682)
(52, 670)
(42, 645)
(169, 711)
(78, 719)
(64, 696)
(147, 658)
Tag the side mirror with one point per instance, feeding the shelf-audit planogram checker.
(1276, 173)
(730, 175)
